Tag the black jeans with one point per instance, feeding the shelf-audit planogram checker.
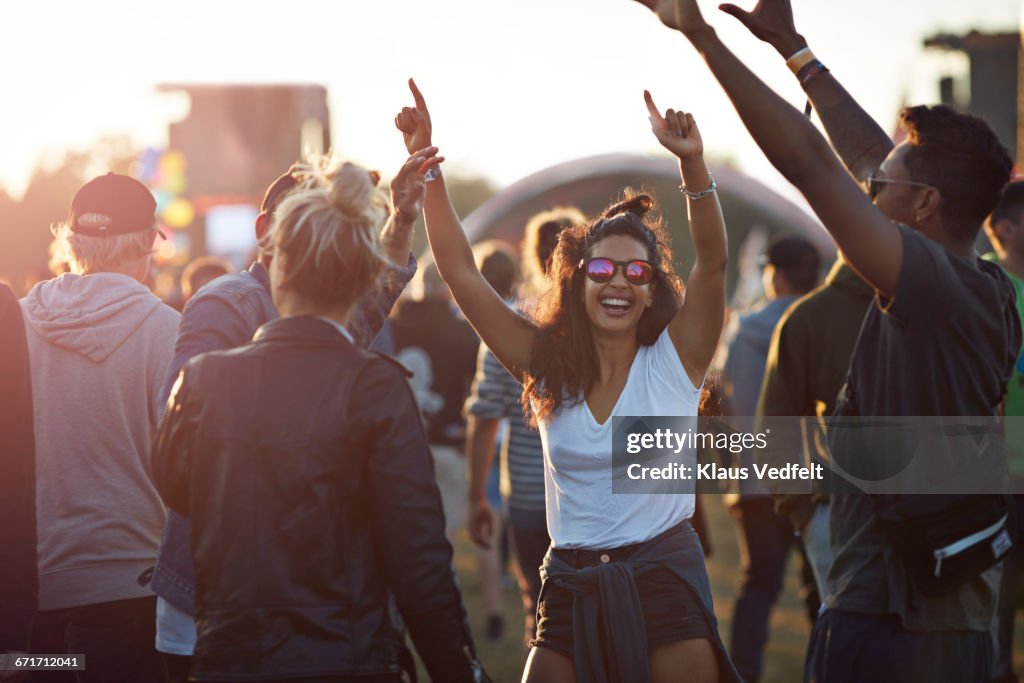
(765, 542)
(176, 668)
(117, 638)
(847, 647)
(1013, 568)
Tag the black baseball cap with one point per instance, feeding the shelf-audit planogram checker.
(112, 204)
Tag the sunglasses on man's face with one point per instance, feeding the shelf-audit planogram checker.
(875, 183)
(601, 269)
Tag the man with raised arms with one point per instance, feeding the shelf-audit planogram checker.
(941, 338)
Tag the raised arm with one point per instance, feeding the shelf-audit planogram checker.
(697, 326)
(505, 332)
(858, 140)
(407, 189)
(407, 192)
(871, 243)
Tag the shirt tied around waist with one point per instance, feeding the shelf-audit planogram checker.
(609, 589)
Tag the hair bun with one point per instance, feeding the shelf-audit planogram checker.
(352, 191)
(327, 231)
(638, 204)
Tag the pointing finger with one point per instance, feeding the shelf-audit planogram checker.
(652, 109)
(417, 96)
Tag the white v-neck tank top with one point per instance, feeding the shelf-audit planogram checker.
(582, 511)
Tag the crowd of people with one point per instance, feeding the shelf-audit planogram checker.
(248, 491)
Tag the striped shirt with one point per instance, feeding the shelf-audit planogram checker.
(496, 395)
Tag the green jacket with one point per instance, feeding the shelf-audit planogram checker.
(809, 358)
(1013, 402)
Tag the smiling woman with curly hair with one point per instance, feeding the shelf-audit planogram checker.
(625, 593)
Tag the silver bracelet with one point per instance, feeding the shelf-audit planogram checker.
(703, 193)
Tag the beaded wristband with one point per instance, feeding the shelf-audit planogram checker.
(703, 193)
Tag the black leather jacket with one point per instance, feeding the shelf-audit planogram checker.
(302, 463)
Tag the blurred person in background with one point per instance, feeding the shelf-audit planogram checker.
(199, 272)
(497, 397)
(1005, 230)
(304, 443)
(225, 315)
(19, 582)
(439, 348)
(792, 269)
(99, 345)
(807, 364)
(500, 267)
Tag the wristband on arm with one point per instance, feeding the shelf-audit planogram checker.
(800, 59)
(806, 67)
(809, 72)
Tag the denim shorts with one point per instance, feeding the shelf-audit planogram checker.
(672, 612)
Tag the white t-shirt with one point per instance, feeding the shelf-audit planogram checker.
(582, 511)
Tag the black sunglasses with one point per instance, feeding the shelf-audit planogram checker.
(875, 183)
(601, 269)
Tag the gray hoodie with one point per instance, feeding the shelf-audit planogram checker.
(99, 347)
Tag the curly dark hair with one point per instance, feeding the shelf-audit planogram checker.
(960, 156)
(564, 364)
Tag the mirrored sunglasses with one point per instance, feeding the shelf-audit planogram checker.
(601, 269)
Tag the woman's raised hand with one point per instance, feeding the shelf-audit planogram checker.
(682, 15)
(676, 131)
(408, 185)
(414, 122)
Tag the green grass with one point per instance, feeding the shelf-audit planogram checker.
(790, 630)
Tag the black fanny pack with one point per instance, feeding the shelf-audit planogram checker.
(948, 548)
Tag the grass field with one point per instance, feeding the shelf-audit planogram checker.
(789, 628)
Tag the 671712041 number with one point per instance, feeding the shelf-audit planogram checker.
(27, 662)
